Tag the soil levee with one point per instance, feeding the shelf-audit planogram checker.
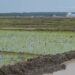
(39, 65)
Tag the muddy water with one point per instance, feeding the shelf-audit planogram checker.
(70, 69)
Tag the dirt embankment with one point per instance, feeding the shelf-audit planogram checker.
(39, 65)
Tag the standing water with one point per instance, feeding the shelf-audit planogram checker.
(70, 69)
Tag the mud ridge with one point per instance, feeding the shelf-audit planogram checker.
(39, 65)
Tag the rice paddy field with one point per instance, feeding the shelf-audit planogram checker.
(36, 42)
(57, 36)
(12, 43)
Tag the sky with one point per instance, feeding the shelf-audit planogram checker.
(37, 6)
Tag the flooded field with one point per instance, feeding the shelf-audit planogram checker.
(32, 41)
(41, 42)
(22, 38)
(11, 58)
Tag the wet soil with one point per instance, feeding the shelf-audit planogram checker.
(39, 65)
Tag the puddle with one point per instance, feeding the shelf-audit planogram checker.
(70, 69)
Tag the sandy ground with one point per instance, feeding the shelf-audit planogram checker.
(70, 69)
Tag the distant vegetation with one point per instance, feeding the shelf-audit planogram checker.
(38, 23)
(35, 14)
